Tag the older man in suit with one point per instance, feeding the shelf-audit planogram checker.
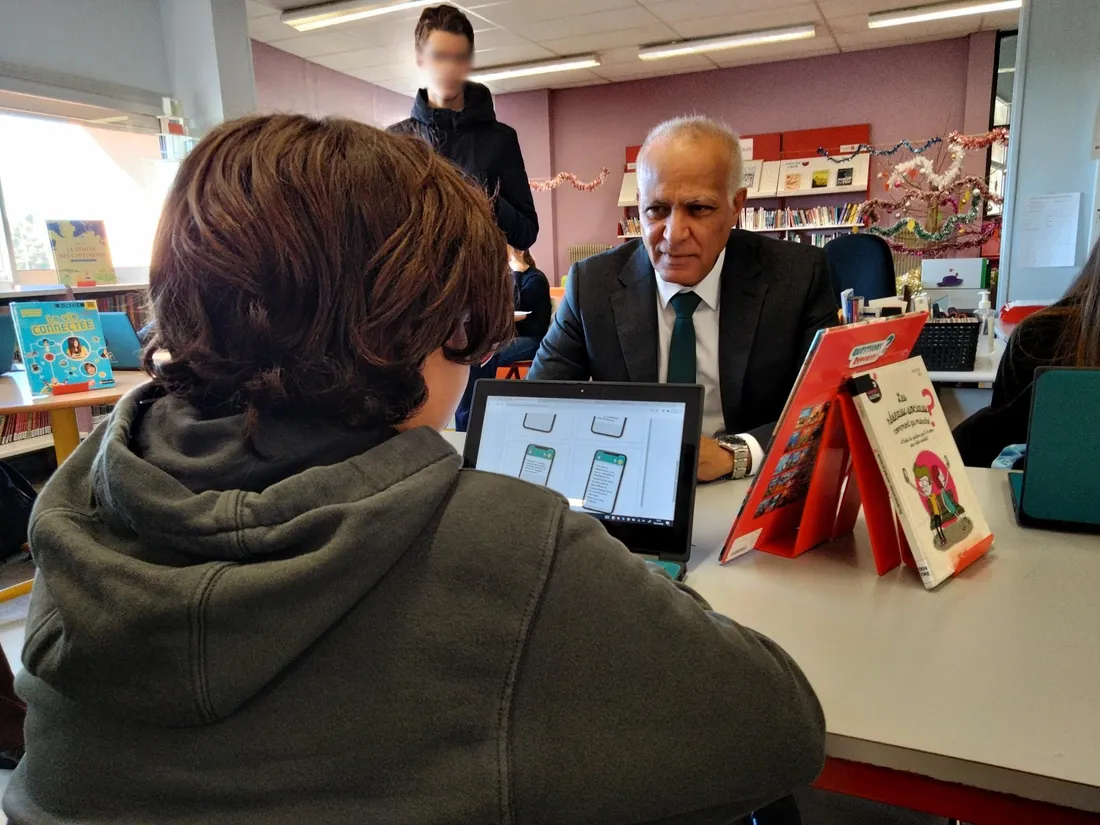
(694, 301)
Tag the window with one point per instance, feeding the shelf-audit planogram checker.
(1000, 112)
(56, 169)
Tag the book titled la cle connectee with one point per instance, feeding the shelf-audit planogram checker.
(62, 343)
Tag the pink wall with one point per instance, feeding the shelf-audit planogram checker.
(287, 83)
(904, 92)
(529, 114)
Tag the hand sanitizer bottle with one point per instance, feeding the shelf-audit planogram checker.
(987, 334)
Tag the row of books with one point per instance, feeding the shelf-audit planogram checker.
(134, 304)
(630, 226)
(21, 426)
(753, 218)
(818, 239)
(100, 413)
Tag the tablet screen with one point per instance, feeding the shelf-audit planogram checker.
(616, 460)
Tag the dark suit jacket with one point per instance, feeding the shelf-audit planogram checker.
(775, 296)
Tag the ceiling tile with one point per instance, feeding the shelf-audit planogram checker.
(525, 12)
(257, 9)
(676, 11)
(360, 58)
(407, 73)
(511, 54)
(750, 21)
(609, 40)
(317, 45)
(655, 68)
(270, 29)
(578, 25)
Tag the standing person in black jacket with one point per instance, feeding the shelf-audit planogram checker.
(457, 118)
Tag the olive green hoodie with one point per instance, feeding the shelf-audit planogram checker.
(349, 627)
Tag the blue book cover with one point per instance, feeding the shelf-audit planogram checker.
(62, 343)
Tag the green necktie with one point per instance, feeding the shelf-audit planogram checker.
(681, 349)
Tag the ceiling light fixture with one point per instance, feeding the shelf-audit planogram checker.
(319, 16)
(565, 64)
(943, 11)
(659, 51)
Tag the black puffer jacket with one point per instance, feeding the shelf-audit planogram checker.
(485, 149)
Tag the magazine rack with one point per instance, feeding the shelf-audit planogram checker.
(845, 475)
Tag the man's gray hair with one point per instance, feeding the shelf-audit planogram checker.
(695, 127)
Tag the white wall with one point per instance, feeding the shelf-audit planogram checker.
(109, 41)
(209, 59)
(1056, 97)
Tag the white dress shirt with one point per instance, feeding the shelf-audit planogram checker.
(706, 348)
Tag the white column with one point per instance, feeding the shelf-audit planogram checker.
(1055, 99)
(209, 59)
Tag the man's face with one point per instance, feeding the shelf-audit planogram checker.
(686, 213)
(445, 58)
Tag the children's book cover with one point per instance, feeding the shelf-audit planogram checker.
(80, 253)
(62, 343)
(922, 468)
(807, 442)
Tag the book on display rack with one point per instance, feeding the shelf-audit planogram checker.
(821, 469)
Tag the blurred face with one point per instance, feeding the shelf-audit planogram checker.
(685, 205)
(445, 59)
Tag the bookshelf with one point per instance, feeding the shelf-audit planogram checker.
(27, 445)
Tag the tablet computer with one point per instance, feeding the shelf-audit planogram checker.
(625, 454)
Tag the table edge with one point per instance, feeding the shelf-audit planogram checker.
(965, 772)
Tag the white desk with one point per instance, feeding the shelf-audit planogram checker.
(992, 681)
(957, 402)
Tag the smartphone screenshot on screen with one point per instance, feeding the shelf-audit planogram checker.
(539, 422)
(537, 462)
(604, 479)
(614, 460)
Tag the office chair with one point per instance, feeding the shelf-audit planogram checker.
(861, 263)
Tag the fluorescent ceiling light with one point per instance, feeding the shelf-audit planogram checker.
(565, 64)
(1006, 70)
(347, 11)
(943, 11)
(728, 41)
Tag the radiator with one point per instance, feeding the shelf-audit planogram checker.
(586, 250)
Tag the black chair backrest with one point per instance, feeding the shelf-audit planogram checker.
(862, 263)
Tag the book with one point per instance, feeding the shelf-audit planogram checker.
(922, 468)
(80, 252)
(792, 504)
(62, 343)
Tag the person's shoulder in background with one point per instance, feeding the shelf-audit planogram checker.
(410, 127)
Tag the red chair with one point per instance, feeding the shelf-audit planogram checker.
(517, 371)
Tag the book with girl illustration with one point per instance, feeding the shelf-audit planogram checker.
(928, 485)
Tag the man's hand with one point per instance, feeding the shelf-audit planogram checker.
(714, 462)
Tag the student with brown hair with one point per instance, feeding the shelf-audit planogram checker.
(1066, 334)
(457, 118)
(268, 592)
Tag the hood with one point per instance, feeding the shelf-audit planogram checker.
(477, 109)
(180, 572)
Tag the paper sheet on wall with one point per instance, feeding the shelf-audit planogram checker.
(1048, 230)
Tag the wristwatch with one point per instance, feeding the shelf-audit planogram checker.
(742, 455)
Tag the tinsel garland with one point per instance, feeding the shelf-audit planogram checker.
(998, 135)
(564, 177)
(950, 228)
(867, 148)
